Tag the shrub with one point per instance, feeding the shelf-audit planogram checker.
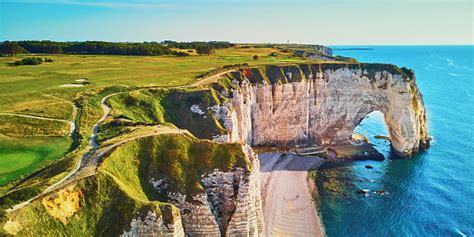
(255, 57)
(48, 60)
(204, 49)
(29, 61)
(180, 54)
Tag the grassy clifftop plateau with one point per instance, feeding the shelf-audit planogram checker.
(186, 109)
(106, 203)
(273, 74)
(45, 90)
(180, 159)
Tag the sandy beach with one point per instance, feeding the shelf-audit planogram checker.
(288, 207)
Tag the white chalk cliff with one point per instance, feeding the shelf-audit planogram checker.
(229, 206)
(321, 104)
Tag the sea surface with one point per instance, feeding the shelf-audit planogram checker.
(431, 194)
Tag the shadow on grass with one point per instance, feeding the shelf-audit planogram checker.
(12, 64)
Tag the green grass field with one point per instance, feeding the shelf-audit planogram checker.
(37, 82)
(36, 90)
(22, 156)
(109, 200)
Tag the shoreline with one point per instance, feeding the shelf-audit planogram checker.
(288, 199)
(313, 188)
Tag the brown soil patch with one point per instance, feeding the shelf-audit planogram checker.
(64, 203)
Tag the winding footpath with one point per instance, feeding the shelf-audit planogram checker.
(89, 160)
(91, 149)
(210, 79)
(72, 124)
(287, 202)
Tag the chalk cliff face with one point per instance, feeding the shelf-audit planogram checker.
(152, 224)
(321, 104)
(229, 206)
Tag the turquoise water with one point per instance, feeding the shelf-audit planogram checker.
(431, 194)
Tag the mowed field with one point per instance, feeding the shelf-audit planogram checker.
(33, 82)
(22, 156)
(37, 91)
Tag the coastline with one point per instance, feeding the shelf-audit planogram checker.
(313, 189)
(288, 201)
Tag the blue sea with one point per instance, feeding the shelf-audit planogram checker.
(431, 194)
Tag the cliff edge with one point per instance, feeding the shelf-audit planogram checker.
(321, 104)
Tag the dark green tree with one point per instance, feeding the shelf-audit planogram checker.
(53, 49)
(204, 49)
(11, 48)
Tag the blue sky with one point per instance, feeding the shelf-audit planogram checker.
(331, 22)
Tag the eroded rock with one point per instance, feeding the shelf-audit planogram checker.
(326, 109)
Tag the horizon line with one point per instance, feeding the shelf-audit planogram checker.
(298, 43)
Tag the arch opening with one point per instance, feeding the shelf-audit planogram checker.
(373, 129)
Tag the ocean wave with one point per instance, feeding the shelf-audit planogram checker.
(450, 62)
(455, 74)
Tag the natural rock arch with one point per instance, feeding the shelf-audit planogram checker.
(321, 104)
(376, 120)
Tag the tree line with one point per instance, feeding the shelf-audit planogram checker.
(109, 48)
(200, 47)
(196, 44)
(88, 47)
(95, 47)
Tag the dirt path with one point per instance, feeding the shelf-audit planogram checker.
(94, 153)
(72, 125)
(210, 79)
(288, 206)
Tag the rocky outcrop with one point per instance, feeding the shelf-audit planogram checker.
(229, 206)
(152, 224)
(321, 104)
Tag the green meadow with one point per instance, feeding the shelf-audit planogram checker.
(22, 156)
(28, 144)
(27, 86)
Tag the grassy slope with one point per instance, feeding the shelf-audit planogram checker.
(90, 110)
(104, 210)
(22, 156)
(164, 106)
(28, 127)
(23, 189)
(178, 158)
(38, 104)
(34, 90)
(120, 190)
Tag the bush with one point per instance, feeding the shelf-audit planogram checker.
(48, 60)
(180, 54)
(204, 49)
(29, 61)
(255, 57)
